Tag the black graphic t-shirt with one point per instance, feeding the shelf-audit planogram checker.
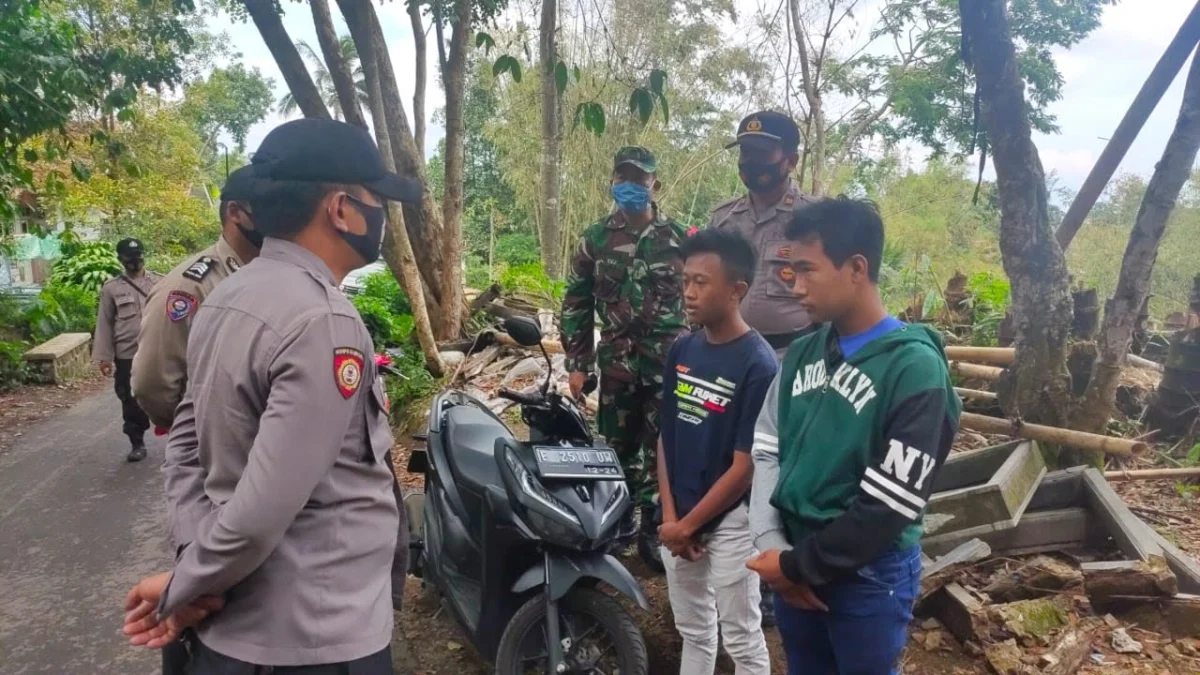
(712, 394)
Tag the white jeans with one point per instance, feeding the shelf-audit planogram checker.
(719, 590)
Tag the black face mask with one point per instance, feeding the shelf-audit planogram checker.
(132, 266)
(366, 245)
(761, 177)
(253, 236)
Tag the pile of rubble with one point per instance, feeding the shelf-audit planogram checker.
(1051, 572)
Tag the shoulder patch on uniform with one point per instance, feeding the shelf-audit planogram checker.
(232, 263)
(180, 305)
(199, 269)
(347, 370)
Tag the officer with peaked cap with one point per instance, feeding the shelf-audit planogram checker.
(282, 492)
(160, 366)
(115, 343)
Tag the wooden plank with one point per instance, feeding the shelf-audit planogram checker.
(1038, 532)
(1068, 653)
(1061, 489)
(1127, 530)
(1020, 477)
(993, 486)
(1105, 580)
(1185, 567)
(972, 467)
(958, 611)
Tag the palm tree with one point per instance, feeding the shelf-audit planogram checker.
(287, 104)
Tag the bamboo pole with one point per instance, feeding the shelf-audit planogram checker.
(1139, 362)
(975, 371)
(552, 346)
(1154, 474)
(995, 356)
(975, 394)
(1077, 439)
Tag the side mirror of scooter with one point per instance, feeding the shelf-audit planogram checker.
(524, 330)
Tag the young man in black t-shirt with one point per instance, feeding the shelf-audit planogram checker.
(713, 388)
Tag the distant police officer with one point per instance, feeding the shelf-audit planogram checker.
(122, 300)
(160, 367)
(768, 144)
(282, 435)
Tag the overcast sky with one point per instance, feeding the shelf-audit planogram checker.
(1102, 73)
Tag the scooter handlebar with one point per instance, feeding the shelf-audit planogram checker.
(518, 397)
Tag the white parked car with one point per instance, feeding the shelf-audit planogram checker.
(355, 282)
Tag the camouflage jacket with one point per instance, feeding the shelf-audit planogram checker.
(634, 282)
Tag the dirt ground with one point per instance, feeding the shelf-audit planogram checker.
(23, 407)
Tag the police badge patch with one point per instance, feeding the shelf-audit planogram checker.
(199, 269)
(179, 305)
(347, 370)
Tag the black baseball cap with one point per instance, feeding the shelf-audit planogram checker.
(239, 185)
(129, 248)
(328, 151)
(769, 124)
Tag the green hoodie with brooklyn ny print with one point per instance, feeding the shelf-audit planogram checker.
(846, 450)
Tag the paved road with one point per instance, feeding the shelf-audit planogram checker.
(78, 526)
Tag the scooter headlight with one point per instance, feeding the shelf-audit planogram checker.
(615, 505)
(533, 489)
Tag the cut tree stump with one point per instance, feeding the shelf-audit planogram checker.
(959, 611)
(1037, 577)
(1067, 655)
(986, 490)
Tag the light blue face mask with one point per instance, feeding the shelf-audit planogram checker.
(631, 197)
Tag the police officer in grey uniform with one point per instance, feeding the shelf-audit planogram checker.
(160, 366)
(115, 343)
(282, 434)
(768, 144)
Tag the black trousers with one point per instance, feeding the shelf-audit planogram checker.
(177, 655)
(136, 423)
(208, 662)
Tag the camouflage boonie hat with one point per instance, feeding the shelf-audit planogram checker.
(636, 155)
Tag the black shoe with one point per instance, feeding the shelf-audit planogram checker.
(767, 606)
(138, 453)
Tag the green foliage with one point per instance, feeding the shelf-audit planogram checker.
(517, 249)
(324, 81)
(13, 370)
(385, 310)
(415, 386)
(991, 296)
(383, 285)
(531, 279)
(88, 267)
(232, 99)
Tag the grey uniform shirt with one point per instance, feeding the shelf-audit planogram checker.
(769, 307)
(119, 317)
(276, 470)
(160, 367)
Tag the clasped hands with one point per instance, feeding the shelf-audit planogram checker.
(143, 625)
(679, 538)
(767, 566)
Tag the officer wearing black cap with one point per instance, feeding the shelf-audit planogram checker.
(283, 492)
(160, 366)
(122, 300)
(768, 143)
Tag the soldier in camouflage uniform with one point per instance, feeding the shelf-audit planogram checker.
(628, 271)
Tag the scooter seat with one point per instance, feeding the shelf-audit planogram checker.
(471, 440)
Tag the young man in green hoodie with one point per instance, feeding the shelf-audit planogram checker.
(847, 447)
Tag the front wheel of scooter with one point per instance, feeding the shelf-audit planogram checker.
(599, 637)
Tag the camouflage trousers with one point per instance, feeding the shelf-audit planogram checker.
(629, 420)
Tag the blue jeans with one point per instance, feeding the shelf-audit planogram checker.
(865, 629)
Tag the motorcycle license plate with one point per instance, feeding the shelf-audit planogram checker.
(577, 463)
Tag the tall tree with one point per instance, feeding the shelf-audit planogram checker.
(454, 83)
(549, 228)
(420, 68)
(1037, 387)
(342, 57)
(265, 16)
(230, 99)
(1133, 286)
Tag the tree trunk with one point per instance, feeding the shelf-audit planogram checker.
(814, 142)
(548, 225)
(339, 70)
(453, 78)
(286, 56)
(1160, 79)
(1037, 386)
(1133, 285)
(397, 248)
(422, 221)
(419, 66)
